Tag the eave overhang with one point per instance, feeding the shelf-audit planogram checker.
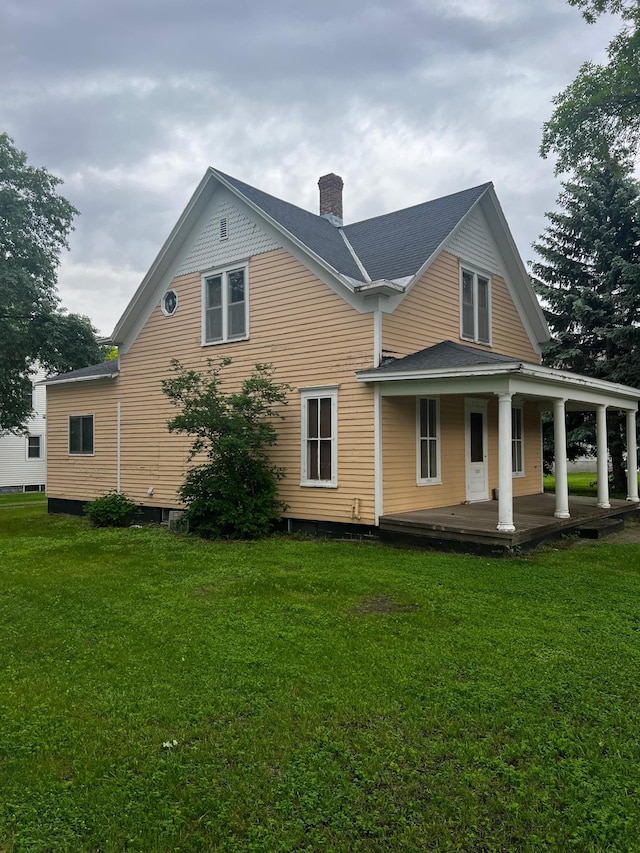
(54, 381)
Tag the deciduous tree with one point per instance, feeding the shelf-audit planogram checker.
(599, 112)
(35, 222)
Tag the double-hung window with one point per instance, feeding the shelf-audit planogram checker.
(224, 304)
(475, 296)
(319, 437)
(34, 448)
(428, 449)
(81, 435)
(517, 442)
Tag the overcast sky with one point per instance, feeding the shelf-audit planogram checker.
(130, 100)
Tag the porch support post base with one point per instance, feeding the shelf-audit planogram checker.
(602, 457)
(562, 515)
(632, 458)
(505, 482)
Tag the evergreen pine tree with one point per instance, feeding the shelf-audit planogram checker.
(589, 280)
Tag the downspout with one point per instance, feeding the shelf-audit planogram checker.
(377, 337)
(118, 446)
(377, 414)
(377, 440)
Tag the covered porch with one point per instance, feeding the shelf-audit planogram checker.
(475, 526)
(473, 450)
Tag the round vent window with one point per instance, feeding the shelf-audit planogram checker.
(169, 303)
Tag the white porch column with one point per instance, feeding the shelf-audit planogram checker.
(505, 481)
(602, 457)
(632, 458)
(560, 452)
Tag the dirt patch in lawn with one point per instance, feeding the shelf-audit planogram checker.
(384, 604)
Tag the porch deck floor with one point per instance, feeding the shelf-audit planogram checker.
(475, 524)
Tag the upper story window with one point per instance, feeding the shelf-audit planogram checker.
(34, 447)
(319, 437)
(428, 429)
(81, 435)
(475, 302)
(225, 306)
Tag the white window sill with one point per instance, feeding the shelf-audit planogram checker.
(227, 341)
(319, 484)
(434, 482)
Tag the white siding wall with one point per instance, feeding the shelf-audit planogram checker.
(16, 470)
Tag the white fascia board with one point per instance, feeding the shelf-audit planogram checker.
(525, 296)
(576, 380)
(50, 382)
(446, 373)
(383, 286)
(522, 378)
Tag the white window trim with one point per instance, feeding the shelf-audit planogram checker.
(475, 272)
(223, 271)
(162, 306)
(80, 415)
(428, 481)
(521, 408)
(309, 394)
(26, 449)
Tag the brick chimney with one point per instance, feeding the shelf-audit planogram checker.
(331, 198)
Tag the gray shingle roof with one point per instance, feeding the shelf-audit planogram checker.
(391, 246)
(398, 244)
(317, 233)
(94, 371)
(444, 355)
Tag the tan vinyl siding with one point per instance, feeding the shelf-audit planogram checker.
(81, 477)
(310, 335)
(430, 313)
(401, 493)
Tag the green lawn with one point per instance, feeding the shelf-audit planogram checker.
(165, 694)
(583, 483)
(23, 498)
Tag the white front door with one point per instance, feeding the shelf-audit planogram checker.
(476, 450)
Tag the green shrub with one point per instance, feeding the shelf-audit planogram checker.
(111, 510)
(234, 494)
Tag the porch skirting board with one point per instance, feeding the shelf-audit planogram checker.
(472, 528)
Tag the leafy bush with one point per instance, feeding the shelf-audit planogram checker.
(111, 510)
(234, 494)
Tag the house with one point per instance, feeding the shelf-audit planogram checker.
(412, 343)
(23, 466)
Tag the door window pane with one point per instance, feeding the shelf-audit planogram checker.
(476, 436)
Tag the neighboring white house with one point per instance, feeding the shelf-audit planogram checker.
(23, 463)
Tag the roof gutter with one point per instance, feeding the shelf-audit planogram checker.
(54, 381)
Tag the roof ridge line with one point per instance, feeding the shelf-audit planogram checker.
(355, 257)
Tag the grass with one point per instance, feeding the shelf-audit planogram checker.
(23, 498)
(583, 483)
(161, 694)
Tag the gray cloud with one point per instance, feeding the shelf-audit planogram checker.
(130, 102)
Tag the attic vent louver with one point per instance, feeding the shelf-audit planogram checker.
(223, 228)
